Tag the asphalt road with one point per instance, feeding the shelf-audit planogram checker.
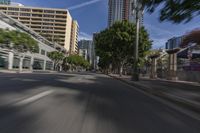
(83, 103)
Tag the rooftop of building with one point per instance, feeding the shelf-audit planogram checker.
(19, 5)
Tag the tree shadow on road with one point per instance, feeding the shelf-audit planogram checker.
(109, 105)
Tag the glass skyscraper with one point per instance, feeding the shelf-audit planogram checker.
(174, 42)
(121, 10)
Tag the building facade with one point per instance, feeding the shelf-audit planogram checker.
(53, 24)
(10, 59)
(86, 49)
(120, 10)
(74, 38)
(174, 42)
(95, 59)
(83, 53)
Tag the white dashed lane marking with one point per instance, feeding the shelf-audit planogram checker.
(34, 98)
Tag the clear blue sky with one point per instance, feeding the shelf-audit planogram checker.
(92, 17)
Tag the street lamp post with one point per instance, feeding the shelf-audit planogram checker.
(137, 8)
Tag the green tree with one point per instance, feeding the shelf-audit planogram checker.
(76, 61)
(56, 57)
(19, 41)
(174, 10)
(103, 48)
(116, 45)
(191, 37)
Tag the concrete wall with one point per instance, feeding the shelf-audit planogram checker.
(189, 76)
(3, 25)
(193, 76)
(13, 61)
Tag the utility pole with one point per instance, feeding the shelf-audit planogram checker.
(137, 8)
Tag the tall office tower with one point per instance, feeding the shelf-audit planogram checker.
(121, 10)
(95, 59)
(86, 49)
(53, 24)
(74, 38)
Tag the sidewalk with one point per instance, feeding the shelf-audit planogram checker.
(12, 71)
(26, 71)
(183, 94)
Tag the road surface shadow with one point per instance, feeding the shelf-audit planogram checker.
(111, 105)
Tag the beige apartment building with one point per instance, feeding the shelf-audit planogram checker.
(74, 38)
(53, 24)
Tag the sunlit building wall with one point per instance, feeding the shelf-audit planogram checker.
(88, 46)
(53, 24)
(74, 38)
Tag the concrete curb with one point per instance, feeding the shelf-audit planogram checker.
(179, 81)
(190, 109)
(25, 72)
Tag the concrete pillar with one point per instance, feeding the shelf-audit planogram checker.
(153, 74)
(31, 64)
(60, 68)
(172, 74)
(10, 60)
(44, 65)
(52, 68)
(21, 64)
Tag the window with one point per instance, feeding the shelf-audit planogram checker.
(48, 24)
(60, 29)
(36, 23)
(63, 21)
(60, 24)
(48, 16)
(49, 65)
(49, 11)
(12, 13)
(64, 17)
(61, 12)
(57, 32)
(36, 15)
(24, 18)
(36, 19)
(3, 8)
(37, 27)
(48, 20)
(37, 10)
(25, 10)
(24, 14)
(13, 9)
(43, 52)
(47, 28)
